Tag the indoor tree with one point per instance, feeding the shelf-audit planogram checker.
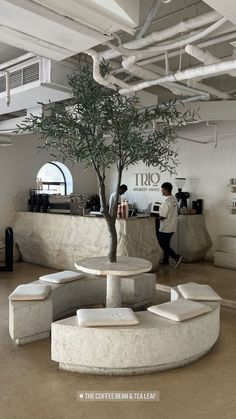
(100, 128)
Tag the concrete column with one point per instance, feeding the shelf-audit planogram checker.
(113, 298)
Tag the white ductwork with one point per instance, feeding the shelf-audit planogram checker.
(203, 44)
(204, 56)
(129, 62)
(148, 52)
(192, 73)
(152, 12)
(109, 81)
(159, 36)
(130, 66)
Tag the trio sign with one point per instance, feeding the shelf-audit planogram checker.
(146, 181)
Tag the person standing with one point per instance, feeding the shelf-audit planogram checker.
(122, 190)
(168, 224)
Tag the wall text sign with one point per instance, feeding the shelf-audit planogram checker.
(146, 181)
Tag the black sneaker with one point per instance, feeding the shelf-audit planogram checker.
(163, 263)
(178, 261)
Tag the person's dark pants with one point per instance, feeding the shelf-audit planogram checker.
(164, 241)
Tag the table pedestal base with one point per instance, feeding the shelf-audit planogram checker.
(113, 298)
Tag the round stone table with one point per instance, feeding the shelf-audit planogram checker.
(125, 266)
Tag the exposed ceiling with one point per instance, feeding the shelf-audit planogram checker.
(57, 30)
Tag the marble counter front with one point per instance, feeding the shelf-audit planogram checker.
(57, 240)
(192, 239)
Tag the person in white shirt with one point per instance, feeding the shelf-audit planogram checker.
(122, 190)
(168, 224)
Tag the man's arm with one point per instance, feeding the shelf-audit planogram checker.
(164, 211)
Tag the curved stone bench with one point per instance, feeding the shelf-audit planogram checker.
(155, 344)
(31, 320)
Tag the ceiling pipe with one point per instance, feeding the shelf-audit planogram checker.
(179, 44)
(191, 73)
(129, 63)
(158, 36)
(176, 88)
(109, 80)
(142, 73)
(204, 56)
(151, 13)
(161, 57)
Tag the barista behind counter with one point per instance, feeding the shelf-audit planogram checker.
(122, 190)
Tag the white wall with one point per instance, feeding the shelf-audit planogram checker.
(207, 169)
(19, 165)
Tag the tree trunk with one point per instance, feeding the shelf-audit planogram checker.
(110, 218)
(111, 223)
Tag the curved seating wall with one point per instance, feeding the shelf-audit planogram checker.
(154, 344)
(31, 320)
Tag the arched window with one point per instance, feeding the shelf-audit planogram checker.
(55, 178)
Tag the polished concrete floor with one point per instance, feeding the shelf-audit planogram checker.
(32, 387)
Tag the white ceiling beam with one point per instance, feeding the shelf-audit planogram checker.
(32, 44)
(103, 15)
(46, 28)
(225, 8)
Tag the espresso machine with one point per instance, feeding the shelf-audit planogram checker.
(180, 195)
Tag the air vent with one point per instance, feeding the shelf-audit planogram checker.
(21, 77)
(31, 73)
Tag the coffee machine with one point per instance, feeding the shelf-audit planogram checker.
(180, 195)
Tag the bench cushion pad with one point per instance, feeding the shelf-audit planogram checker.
(180, 310)
(62, 277)
(30, 292)
(194, 291)
(106, 317)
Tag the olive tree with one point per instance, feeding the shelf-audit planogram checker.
(100, 128)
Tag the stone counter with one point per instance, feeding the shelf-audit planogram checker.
(192, 238)
(57, 240)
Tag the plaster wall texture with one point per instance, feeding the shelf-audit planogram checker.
(207, 170)
(19, 166)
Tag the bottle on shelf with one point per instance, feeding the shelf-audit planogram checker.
(119, 211)
(124, 209)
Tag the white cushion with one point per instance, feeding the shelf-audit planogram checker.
(62, 277)
(106, 317)
(193, 291)
(180, 310)
(30, 292)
